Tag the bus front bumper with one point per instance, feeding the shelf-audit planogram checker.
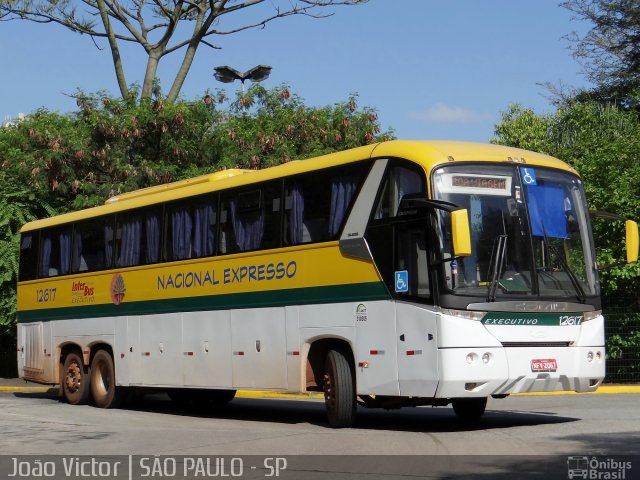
(481, 372)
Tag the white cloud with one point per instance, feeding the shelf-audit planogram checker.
(441, 113)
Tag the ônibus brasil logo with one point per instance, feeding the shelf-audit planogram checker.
(117, 289)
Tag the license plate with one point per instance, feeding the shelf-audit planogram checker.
(544, 365)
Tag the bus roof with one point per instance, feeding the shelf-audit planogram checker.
(428, 154)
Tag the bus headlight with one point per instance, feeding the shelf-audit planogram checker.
(467, 314)
(592, 315)
(486, 358)
(590, 357)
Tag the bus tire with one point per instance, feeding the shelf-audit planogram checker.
(469, 408)
(75, 380)
(103, 382)
(338, 384)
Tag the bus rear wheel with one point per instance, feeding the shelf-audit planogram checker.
(339, 390)
(75, 380)
(469, 408)
(103, 382)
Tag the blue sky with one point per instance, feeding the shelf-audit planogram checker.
(432, 69)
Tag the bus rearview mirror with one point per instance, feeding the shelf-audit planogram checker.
(460, 233)
(631, 228)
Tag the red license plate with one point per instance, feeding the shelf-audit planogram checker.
(544, 365)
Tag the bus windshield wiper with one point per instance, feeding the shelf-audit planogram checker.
(497, 261)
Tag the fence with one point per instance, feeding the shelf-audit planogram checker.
(622, 333)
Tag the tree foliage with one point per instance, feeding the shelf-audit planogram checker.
(610, 50)
(161, 27)
(56, 163)
(18, 205)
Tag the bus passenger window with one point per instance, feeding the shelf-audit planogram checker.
(28, 256)
(138, 238)
(316, 205)
(92, 245)
(55, 252)
(243, 222)
(191, 228)
(204, 227)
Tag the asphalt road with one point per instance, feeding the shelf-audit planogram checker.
(37, 423)
(519, 437)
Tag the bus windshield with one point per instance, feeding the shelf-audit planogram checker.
(529, 232)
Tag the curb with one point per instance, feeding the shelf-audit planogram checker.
(604, 390)
(16, 389)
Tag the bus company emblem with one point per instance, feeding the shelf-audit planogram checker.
(118, 289)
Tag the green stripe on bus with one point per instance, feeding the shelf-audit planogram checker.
(533, 319)
(296, 296)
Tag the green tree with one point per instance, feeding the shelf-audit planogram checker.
(610, 50)
(279, 127)
(18, 205)
(522, 128)
(160, 27)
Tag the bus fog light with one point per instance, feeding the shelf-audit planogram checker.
(590, 357)
(486, 358)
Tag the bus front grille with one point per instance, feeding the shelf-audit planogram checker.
(536, 344)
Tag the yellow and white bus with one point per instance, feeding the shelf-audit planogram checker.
(403, 273)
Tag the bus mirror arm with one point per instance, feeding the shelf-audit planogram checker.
(415, 201)
(631, 235)
(460, 232)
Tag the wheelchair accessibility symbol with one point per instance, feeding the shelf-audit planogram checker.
(402, 281)
(528, 176)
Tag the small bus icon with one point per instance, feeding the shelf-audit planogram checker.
(578, 467)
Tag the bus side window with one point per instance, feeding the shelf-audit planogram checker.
(92, 245)
(191, 228)
(243, 226)
(179, 222)
(400, 181)
(205, 211)
(138, 237)
(55, 252)
(28, 256)
(316, 204)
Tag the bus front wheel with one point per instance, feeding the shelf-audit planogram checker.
(339, 390)
(469, 408)
(75, 380)
(103, 382)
